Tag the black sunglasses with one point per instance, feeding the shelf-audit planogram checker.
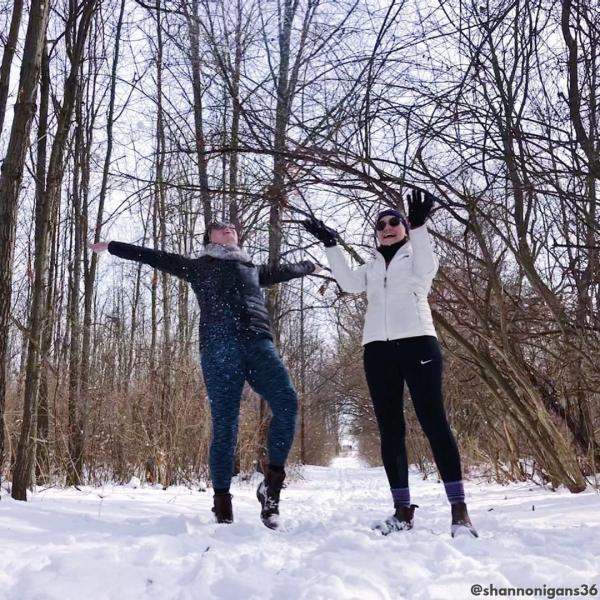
(393, 222)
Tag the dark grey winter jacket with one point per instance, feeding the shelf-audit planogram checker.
(227, 289)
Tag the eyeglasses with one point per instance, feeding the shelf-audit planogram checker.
(393, 222)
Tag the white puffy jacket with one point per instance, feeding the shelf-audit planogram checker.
(397, 304)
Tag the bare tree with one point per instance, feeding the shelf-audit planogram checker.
(12, 173)
(45, 215)
(7, 57)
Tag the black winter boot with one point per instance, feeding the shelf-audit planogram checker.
(401, 520)
(461, 521)
(222, 508)
(268, 495)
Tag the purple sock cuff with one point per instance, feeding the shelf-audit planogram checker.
(401, 496)
(455, 491)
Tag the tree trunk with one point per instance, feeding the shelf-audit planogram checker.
(45, 215)
(277, 193)
(75, 463)
(236, 109)
(302, 379)
(7, 57)
(11, 175)
(194, 34)
(43, 417)
(91, 266)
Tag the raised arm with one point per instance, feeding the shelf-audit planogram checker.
(425, 263)
(284, 272)
(174, 264)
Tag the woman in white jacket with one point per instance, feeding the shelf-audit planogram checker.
(400, 345)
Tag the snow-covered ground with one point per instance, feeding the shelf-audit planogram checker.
(122, 543)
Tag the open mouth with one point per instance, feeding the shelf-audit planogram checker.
(389, 235)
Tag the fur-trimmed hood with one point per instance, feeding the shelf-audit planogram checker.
(226, 252)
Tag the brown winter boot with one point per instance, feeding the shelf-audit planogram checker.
(461, 521)
(405, 516)
(268, 495)
(401, 520)
(222, 508)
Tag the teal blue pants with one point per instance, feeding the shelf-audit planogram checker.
(226, 365)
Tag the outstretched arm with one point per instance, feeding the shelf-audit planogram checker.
(284, 272)
(350, 280)
(175, 264)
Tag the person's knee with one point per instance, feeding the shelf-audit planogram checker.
(286, 409)
(433, 422)
(282, 397)
(292, 401)
(225, 430)
(442, 439)
(392, 439)
(391, 426)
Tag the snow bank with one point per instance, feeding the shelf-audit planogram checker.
(137, 542)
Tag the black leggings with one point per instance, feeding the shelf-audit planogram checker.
(418, 361)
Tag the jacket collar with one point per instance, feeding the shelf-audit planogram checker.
(405, 250)
(226, 252)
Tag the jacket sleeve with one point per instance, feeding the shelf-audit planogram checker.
(425, 263)
(174, 264)
(350, 280)
(284, 272)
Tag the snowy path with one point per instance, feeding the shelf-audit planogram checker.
(149, 543)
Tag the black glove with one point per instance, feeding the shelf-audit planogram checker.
(419, 207)
(324, 234)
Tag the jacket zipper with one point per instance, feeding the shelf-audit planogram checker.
(385, 300)
(385, 307)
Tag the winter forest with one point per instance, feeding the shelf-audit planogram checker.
(143, 120)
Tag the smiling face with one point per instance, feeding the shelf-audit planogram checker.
(390, 230)
(225, 236)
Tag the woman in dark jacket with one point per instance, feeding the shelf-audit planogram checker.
(400, 346)
(236, 345)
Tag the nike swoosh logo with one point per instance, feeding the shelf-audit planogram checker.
(424, 362)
